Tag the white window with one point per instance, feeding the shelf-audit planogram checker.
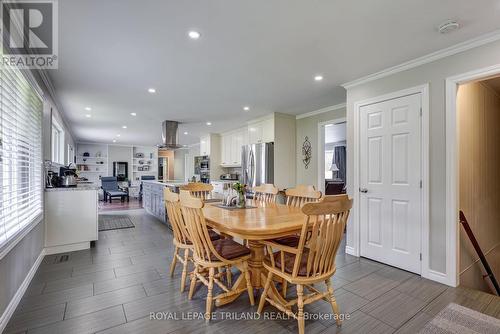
(57, 142)
(20, 154)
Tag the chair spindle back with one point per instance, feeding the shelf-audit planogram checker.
(301, 195)
(322, 234)
(265, 193)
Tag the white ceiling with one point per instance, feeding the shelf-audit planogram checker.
(259, 53)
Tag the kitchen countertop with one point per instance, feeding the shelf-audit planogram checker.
(224, 181)
(80, 187)
(169, 183)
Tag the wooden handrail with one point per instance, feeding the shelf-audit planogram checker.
(479, 252)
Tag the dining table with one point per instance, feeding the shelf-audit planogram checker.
(257, 222)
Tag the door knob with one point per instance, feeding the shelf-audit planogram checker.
(363, 190)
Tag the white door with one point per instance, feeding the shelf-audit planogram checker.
(390, 182)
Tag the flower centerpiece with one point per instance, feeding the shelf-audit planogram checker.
(241, 189)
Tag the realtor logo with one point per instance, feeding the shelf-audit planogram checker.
(29, 34)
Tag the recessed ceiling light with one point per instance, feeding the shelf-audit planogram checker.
(124, 127)
(133, 114)
(118, 135)
(114, 140)
(209, 123)
(194, 34)
(152, 90)
(318, 78)
(185, 132)
(88, 108)
(88, 115)
(246, 108)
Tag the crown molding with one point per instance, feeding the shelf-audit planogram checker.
(450, 51)
(321, 111)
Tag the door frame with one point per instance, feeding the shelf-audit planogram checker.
(354, 242)
(321, 149)
(452, 167)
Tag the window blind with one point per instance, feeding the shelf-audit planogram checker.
(20, 153)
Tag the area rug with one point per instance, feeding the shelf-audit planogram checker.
(458, 319)
(114, 222)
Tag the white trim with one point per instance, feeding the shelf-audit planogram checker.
(321, 111)
(14, 302)
(321, 150)
(452, 207)
(351, 251)
(67, 248)
(4, 250)
(452, 50)
(424, 91)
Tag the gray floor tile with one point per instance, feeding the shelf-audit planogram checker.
(415, 324)
(394, 308)
(99, 302)
(357, 270)
(125, 281)
(23, 321)
(146, 325)
(360, 322)
(86, 324)
(421, 288)
(73, 282)
(92, 268)
(30, 303)
(371, 286)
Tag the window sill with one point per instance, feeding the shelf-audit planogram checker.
(6, 248)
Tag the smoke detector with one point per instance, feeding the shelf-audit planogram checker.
(448, 26)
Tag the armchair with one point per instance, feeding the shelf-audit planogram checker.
(109, 185)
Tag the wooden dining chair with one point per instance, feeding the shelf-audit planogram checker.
(296, 197)
(198, 189)
(312, 261)
(265, 193)
(181, 238)
(210, 255)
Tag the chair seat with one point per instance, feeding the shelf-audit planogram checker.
(289, 240)
(213, 236)
(229, 249)
(116, 193)
(290, 261)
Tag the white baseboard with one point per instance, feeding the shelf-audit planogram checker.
(9, 311)
(437, 276)
(67, 248)
(351, 251)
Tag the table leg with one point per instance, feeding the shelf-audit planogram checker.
(256, 270)
(255, 263)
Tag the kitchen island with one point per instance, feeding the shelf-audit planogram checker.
(152, 196)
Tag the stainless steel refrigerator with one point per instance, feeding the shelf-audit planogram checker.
(257, 164)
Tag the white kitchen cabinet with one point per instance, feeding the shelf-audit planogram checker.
(226, 149)
(261, 132)
(71, 221)
(231, 144)
(205, 145)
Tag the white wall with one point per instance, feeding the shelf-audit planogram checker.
(309, 127)
(435, 74)
(121, 154)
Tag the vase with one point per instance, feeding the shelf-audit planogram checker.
(241, 201)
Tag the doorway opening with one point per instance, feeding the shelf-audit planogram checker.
(332, 165)
(478, 188)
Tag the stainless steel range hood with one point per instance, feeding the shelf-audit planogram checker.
(169, 134)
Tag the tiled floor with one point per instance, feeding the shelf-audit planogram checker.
(114, 287)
